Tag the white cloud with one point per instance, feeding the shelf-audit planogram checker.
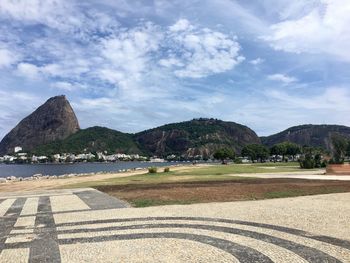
(127, 57)
(73, 17)
(53, 13)
(171, 62)
(15, 105)
(283, 78)
(7, 58)
(181, 25)
(323, 30)
(66, 68)
(256, 61)
(200, 52)
(28, 70)
(129, 52)
(332, 99)
(62, 85)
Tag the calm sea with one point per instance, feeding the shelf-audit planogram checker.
(26, 170)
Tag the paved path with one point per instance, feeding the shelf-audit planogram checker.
(84, 225)
(308, 176)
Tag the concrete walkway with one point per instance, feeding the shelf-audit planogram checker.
(85, 225)
(309, 176)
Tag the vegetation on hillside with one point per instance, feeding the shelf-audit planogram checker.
(205, 138)
(309, 135)
(93, 139)
(195, 137)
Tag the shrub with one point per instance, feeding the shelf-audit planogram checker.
(152, 170)
(166, 170)
(324, 164)
(308, 162)
(238, 161)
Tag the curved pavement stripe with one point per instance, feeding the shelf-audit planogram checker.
(146, 250)
(275, 253)
(308, 253)
(338, 252)
(334, 251)
(330, 240)
(242, 253)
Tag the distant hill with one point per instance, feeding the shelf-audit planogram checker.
(311, 135)
(54, 128)
(94, 139)
(54, 120)
(195, 137)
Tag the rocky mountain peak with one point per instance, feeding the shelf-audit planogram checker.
(54, 120)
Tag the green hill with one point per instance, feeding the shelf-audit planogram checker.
(92, 139)
(195, 137)
(188, 139)
(310, 135)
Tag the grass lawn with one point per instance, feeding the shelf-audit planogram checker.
(211, 183)
(242, 168)
(196, 174)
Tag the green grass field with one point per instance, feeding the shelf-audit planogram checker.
(242, 169)
(207, 184)
(197, 174)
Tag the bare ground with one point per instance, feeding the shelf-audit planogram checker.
(222, 191)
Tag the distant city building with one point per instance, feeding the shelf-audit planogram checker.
(157, 160)
(18, 149)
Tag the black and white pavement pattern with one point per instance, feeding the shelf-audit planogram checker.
(85, 225)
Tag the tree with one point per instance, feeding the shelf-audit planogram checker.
(224, 154)
(286, 148)
(307, 162)
(256, 152)
(348, 150)
(292, 149)
(279, 149)
(340, 145)
(312, 158)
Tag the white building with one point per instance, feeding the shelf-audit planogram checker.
(18, 149)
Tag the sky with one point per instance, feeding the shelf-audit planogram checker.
(133, 65)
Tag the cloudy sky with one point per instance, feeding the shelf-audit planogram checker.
(132, 65)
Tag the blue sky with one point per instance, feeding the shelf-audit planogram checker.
(133, 65)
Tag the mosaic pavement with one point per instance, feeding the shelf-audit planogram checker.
(86, 225)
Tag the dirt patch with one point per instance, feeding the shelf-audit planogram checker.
(221, 191)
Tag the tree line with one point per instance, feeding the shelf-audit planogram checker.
(308, 157)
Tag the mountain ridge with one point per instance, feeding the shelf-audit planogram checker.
(316, 135)
(53, 128)
(196, 137)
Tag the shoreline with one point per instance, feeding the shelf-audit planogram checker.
(40, 176)
(43, 182)
(22, 172)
